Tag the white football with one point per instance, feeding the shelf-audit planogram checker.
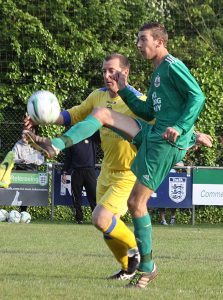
(14, 216)
(3, 215)
(43, 107)
(25, 217)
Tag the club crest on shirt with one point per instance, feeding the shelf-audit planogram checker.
(177, 189)
(157, 81)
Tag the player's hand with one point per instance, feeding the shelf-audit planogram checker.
(64, 178)
(121, 79)
(170, 134)
(28, 122)
(203, 139)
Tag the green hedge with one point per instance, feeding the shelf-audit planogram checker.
(59, 46)
(203, 214)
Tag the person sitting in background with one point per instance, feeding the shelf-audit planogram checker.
(80, 162)
(26, 158)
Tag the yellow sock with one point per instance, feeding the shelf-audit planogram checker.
(119, 250)
(5, 170)
(119, 231)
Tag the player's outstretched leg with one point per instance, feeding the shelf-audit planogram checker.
(77, 133)
(42, 144)
(5, 170)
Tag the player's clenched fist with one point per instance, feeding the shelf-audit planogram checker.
(170, 134)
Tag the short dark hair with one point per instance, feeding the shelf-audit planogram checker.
(124, 62)
(158, 30)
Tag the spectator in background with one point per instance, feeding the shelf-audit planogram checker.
(162, 211)
(80, 162)
(163, 221)
(26, 158)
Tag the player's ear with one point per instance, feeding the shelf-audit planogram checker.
(126, 72)
(159, 42)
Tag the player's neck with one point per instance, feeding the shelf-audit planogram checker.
(159, 58)
(112, 94)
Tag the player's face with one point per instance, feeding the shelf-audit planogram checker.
(147, 45)
(24, 139)
(109, 69)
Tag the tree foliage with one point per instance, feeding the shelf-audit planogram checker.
(59, 46)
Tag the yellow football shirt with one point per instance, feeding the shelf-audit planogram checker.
(118, 153)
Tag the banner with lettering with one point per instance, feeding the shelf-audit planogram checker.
(207, 186)
(174, 192)
(28, 188)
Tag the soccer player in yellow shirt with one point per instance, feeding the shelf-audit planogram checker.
(116, 180)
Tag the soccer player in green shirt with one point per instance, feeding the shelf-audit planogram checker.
(175, 100)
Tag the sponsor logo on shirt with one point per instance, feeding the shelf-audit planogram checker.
(110, 103)
(157, 102)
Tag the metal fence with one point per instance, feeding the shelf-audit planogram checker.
(11, 126)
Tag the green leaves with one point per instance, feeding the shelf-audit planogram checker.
(59, 46)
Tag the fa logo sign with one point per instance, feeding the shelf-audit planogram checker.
(177, 188)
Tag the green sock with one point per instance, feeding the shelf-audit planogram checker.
(77, 133)
(143, 234)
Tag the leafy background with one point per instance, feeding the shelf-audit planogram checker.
(59, 46)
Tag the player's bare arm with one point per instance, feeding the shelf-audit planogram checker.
(29, 123)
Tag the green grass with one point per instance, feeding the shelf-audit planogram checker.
(66, 261)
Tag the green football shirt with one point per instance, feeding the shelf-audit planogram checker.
(174, 98)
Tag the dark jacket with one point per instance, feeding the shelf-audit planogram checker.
(82, 155)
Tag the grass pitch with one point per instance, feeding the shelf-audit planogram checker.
(68, 261)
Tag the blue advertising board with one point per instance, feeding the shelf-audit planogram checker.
(62, 194)
(174, 192)
(28, 188)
